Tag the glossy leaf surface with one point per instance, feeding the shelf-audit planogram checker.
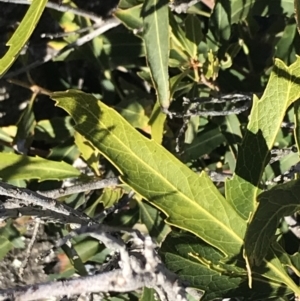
(191, 202)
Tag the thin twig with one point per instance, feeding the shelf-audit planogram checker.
(28, 196)
(230, 98)
(278, 154)
(67, 34)
(62, 8)
(29, 248)
(180, 8)
(286, 176)
(96, 229)
(293, 225)
(107, 25)
(218, 176)
(45, 215)
(81, 187)
(288, 125)
(139, 267)
(191, 108)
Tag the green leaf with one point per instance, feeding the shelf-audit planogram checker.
(121, 47)
(265, 120)
(74, 261)
(85, 249)
(5, 246)
(22, 34)
(88, 153)
(231, 129)
(191, 202)
(10, 237)
(155, 15)
(280, 201)
(187, 41)
(25, 125)
(291, 261)
(285, 47)
(193, 32)
(297, 123)
(205, 142)
(219, 25)
(157, 123)
(133, 110)
(130, 17)
(124, 4)
(14, 167)
(66, 151)
(201, 266)
(154, 223)
(273, 269)
(108, 198)
(240, 9)
(127, 218)
(297, 14)
(57, 129)
(148, 294)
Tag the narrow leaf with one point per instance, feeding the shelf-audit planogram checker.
(219, 25)
(204, 143)
(157, 123)
(14, 167)
(22, 34)
(130, 17)
(155, 15)
(26, 125)
(193, 34)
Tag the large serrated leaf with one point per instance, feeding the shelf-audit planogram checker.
(14, 167)
(199, 265)
(22, 34)
(155, 15)
(191, 202)
(265, 120)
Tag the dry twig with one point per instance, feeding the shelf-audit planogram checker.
(139, 267)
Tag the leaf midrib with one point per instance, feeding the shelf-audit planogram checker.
(217, 221)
